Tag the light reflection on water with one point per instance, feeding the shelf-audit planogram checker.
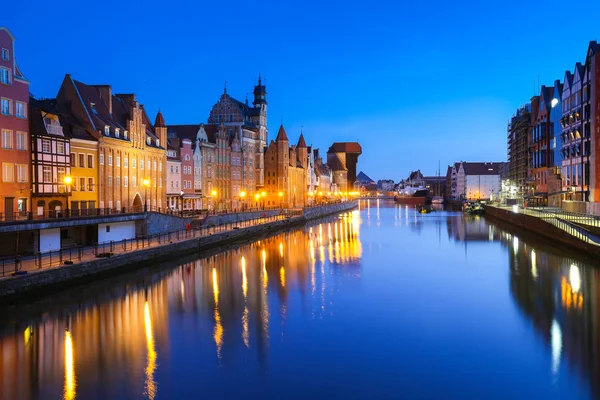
(435, 305)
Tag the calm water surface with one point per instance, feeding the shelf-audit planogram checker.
(380, 303)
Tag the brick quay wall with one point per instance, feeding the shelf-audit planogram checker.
(547, 231)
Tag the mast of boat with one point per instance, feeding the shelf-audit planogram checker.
(438, 179)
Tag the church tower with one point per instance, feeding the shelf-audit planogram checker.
(260, 103)
(302, 152)
(283, 160)
(160, 129)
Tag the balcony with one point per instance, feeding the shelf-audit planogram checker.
(54, 129)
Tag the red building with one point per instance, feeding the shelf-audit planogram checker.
(14, 128)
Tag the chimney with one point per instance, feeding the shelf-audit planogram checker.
(106, 95)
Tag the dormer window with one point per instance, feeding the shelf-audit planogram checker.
(148, 140)
(107, 130)
(125, 135)
(116, 132)
(5, 54)
(157, 142)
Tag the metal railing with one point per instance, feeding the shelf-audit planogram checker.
(75, 254)
(563, 220)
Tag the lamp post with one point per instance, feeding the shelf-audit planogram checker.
(146, 183)
(242, 195)
(213, 193)
(263, 194)
(257, 199)
(280, 199)
(181, 201)
(68, 180)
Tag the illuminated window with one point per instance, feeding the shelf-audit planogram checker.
(8, 172)
(21, 173)
(46, 146)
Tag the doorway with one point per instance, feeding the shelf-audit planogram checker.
(9, 208)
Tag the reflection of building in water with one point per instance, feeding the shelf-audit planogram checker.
(119, 335)
(560, 296)
(471, 228)
(82, 345)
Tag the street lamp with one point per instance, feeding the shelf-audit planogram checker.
(257, 199)
(68, 180)
(280, 194)
(242, 195)
(263, 194)
(146, 183)
(213, 193)
(181, 201)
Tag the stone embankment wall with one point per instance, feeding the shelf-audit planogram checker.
(45, 281)
(234, 217)
(542, 228)
(160, 223)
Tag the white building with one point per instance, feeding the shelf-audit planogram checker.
(476, 180)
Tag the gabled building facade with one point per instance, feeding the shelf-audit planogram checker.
(14, 130)
(131, 151)
(174, 185)
(249, 125)
(576, 146)
(51, 179)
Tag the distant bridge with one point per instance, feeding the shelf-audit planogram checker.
(375, 198)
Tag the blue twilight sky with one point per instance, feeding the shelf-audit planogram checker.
(413, 81)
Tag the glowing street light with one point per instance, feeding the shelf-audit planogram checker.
(68, 180)
(242, 194)
(146, 184)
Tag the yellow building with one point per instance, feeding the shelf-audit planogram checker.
(132, 154)
(84, 171)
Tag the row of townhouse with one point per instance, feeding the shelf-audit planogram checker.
(553, 141)
(89, 149)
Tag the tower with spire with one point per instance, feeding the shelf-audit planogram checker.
(302, 151)
(160, 129)
(282, 144)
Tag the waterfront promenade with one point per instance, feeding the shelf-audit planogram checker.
(44, 273)
(581, 231)
(81, 254)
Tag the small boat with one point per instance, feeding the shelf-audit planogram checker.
(423, 209)
(473, 208)
(437, 200)
(412, 195)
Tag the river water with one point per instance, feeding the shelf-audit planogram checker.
(380, 303)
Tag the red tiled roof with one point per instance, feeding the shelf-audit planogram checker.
(345, 147)
(184, 131)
